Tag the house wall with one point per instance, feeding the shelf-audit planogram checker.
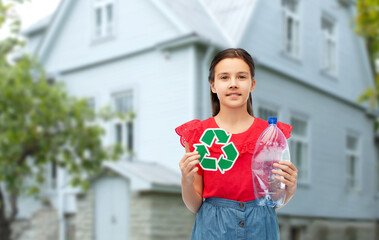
(85, 217)
(160, 216)
(263, 39)
(311, 228)
(155, 81)
(43, 225)
(329, 122)
(153, 216)
(74, 45)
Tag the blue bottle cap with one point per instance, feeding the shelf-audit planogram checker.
(272, 120)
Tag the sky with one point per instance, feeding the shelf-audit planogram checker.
(31, 11)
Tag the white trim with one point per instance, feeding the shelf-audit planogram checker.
(260, 103)
(358, 156)
(53, 28)
(303, 139)
(124, 133)
(246, 22)
(104, 35)
(297, 46)
(205, 85)
(220, 28)
(325, 36)
(120, 89)
(183, 28)
(192, 77)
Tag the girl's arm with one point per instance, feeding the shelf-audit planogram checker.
(286, 200)
(192, 194)
(289, 172)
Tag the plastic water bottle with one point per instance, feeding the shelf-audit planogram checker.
(271, 147)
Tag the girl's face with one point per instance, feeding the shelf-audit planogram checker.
(232, 75)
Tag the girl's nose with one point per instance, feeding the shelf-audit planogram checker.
(233, 82)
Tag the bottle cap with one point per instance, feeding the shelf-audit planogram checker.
(272, 120)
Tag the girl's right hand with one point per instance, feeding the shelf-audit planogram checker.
(188, 166)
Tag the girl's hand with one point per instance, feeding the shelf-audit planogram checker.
(188, 166)
(289, 172)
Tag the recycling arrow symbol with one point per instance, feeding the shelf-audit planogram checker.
(226, 160)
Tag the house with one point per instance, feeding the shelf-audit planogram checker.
(152, 56)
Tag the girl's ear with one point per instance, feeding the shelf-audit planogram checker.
(213, 87)
(252, 85)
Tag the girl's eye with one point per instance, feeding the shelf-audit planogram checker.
(242, 77)
(224, 77)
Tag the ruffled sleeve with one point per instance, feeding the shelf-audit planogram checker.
(190, 132)
(285, 128)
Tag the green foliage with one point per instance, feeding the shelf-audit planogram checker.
(367, 25)
(40, 124)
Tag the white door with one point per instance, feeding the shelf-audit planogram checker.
(111, 209)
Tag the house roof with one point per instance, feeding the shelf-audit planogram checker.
(37, 26)
(198, 20)
(232, 16)
(211, 20)
(147, 176)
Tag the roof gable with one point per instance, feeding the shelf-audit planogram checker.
(195, 15)
(232, 16)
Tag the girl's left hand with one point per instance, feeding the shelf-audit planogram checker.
(289, 172)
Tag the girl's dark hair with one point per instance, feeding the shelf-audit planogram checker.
(230, 53)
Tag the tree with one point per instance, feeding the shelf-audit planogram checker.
(41, 124)
(367, 25)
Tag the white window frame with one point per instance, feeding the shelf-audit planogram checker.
(303, 168)
(91, 102)
(124, 133)
(103, 32)
(358, 167)
(269, 108)
(50, 181)
(326, 61)
(296, 43)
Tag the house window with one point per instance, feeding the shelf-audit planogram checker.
(124, 128)
(91, 103)
(298, 144)
(351, 234)
(323, 233)
(291, 27)
(51, 175)
(265, 112)
(295, 233)
(329, 46)
(103, 18)
(352, 162)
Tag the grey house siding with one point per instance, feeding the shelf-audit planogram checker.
(330, 120)
(128, 36)
(263, 40)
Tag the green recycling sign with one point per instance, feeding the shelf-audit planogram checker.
(226, 160)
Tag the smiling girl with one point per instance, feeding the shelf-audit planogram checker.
(224, 201)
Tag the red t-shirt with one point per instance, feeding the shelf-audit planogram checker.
(236, 183)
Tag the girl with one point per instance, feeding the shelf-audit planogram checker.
(224, 202)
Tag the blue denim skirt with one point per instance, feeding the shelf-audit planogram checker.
(220, 218)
